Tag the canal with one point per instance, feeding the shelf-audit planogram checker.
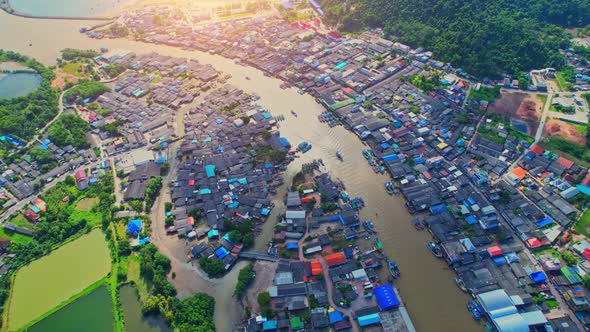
(426, 285)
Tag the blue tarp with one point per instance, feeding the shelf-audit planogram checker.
(144, 240)
(233, 205)
(386, 298)
(266, 115)
(265, 212)
(544, 222)
(134, 227)
(390, 157)
(292, 245)
(221, 252)
(385, 146)
(419, 160)
(284, 142)
(269, 325)
(538, 277)
(335, 317)
(268, 165)
(205, 191)
(218, 121)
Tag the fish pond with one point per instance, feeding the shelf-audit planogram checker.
(90, 313)
(135, 321)
(53, 279)
(18, 84)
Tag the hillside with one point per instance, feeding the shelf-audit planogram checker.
(486, 38)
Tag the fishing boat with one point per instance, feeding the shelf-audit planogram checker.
(344, 196)
(378, 244)
(293, 112)
(367, 236)
(435, 249)
(393, 268)
(389, 187)
(248, 78)
(367, 153)
(304, 147)
(474, 309)
(369, 226)
(460, 284)
(417, 224)
(339, 156)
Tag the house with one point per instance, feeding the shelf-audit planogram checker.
(32, 216)
(81, 180)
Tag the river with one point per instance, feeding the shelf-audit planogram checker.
(433, 300)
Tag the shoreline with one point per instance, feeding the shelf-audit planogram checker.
(7, 8)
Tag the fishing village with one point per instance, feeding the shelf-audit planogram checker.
(488, 216)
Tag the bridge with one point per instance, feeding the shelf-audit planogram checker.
(258, 256)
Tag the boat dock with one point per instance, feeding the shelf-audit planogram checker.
(397, 320)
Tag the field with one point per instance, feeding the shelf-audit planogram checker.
(569, 131)
(583, 225)
(61, 78)
(520, 108)
(15, 237)
(86, 204)
(51, 280)
(21, 221)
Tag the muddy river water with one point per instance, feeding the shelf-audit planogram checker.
(433, 300)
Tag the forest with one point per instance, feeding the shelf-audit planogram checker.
(22, 116)
(485, 38)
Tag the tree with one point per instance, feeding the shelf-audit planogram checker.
(246, 275)
(569, 258)
(136, 205)
(213, 267)
(194, 314)
(263, 299)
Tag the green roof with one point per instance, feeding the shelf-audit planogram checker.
(296, 323)
(341, 104)
(573, 278)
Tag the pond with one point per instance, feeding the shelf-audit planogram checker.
(135, 321)
(18, 84)
(50, 280)
(68, 8)
(91, 313)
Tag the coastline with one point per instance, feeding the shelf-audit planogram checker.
(9, 9)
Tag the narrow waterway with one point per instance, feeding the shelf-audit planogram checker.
(426, 285)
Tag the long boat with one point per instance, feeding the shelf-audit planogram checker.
(393, 268)
(339, 156)
(435, 249)
(378, 244)
(474, 309)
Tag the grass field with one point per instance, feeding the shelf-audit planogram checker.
(21, 221)
(74, 68)
(86, 204)
(15, 237)
(583, 225)
(55, 278)
(93, 218)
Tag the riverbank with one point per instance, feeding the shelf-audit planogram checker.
(427, 285)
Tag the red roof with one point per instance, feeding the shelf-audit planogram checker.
(307, 199)
(32, 216)
(586, 181)
(494, 251)
(533, 242)
(335, 259)
(316, 268)
(538, 150)
(586, 254)
(565, 162)
(191, 182)
(80, 175)
(191, 221)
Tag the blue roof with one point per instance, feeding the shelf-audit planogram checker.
(471, 220)
(544, 222)
(265, 212)
(500, 260)
(266, 115)
(144, 240)
(385, 146)
(386, 298)
(213, 233)
(390, 157)
(348, 253)
(210, 170)
(284, 142)
(369, 319)
(218, 121)
(292, 245)
(269, 325)
(335, 317)
(268, 165)
(538, 277)
(221, 252)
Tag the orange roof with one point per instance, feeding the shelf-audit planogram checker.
(494, 251)
(538, 150)
(335, 259)
(544, 175)
(316, 268)
(586, 181)
(519, 172)
(565, 162)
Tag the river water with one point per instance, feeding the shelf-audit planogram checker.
(427, 287)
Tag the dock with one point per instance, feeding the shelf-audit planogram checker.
(257, 256)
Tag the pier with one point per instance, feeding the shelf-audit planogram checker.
(257, 256)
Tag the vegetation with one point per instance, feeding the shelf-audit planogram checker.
(69, 129)
(519, 35)
(72, 54)
(561, 144)
(241, 233)
(152, 190)
(85, 90)
(424, 83)
(194, 314)
(246, 275)
(569, 258)
(485, 93)
(23, 116)
(115, 69)
(213, 267)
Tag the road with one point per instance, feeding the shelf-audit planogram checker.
(42, 130)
